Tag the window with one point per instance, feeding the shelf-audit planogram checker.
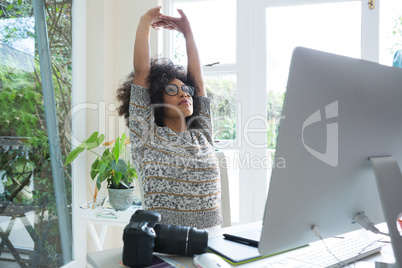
(331, 34)
(221, 89)
(318, 27)
(215, 34)
(275, 30)
(214, 30)
(266, 32)
(29, 220)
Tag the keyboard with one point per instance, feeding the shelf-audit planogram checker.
(338, 254)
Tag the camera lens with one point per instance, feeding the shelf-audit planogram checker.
(198, 242)
(179, 240)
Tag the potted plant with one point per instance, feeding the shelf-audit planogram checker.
(110, 166)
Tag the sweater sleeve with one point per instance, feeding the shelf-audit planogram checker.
(141, 120)
(205, 118)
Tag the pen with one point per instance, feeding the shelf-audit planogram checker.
(241, 240)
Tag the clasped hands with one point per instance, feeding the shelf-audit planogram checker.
(158, 20)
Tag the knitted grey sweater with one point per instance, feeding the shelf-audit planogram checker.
(179, 171)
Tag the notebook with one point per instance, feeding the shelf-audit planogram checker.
(233, 252)
(237, 253)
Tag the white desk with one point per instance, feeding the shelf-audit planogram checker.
(91, 219)
(110, 258)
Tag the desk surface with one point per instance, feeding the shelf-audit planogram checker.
(90, 215)
(110, 258)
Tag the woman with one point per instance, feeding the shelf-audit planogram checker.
(171, 131)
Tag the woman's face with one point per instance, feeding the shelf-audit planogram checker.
(180, 105)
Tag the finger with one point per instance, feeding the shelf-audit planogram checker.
(170, 28)
(165, 23)
(158, 24)
(169, 18)
(181, 13)
(172, 25)
(156, 9)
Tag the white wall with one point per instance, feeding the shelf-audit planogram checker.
(106, 37)
(111, 32)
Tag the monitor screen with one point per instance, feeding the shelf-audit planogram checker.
(337, 113)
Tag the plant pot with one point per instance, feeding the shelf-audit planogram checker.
(121, 199)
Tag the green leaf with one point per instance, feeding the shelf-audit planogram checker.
(9, 7)
(94, 168)
(19, 2)
(116, 179)
(102, 177)
(122, 143)
(102, 168)
(74, 153)
(94, 141)
(116, 149)
(131, 173)
(98, 183)
(119, 146)
(107, 156)
(123, 138)
(119, 166)
(1, 12)
(93, 137)
(106, 153)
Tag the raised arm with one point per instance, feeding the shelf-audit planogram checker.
(194, 68)
(142, 56)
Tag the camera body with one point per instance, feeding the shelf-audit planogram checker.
(143, 235)
(138, 238)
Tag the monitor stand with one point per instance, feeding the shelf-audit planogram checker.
(389, 184)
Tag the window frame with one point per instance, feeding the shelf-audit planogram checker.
(214, 70)
(79, 69)
(250, 70)
(369, 51)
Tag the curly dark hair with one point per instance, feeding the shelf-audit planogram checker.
(162, 72)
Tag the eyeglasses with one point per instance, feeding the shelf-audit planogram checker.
(173, 90)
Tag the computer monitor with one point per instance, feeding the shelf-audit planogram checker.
(338, 112)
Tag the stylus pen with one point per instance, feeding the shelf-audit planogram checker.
(241, 240)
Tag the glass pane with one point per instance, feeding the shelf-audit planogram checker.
(222, 91)
(28, 216)
(390, 30)
(315, 26)
(214, 26)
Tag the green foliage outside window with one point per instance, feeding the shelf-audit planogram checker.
(222, 92)
(22, 107)
(22, 117)
(275, 103)
(397, 33)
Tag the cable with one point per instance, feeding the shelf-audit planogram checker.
(363, 249)
(365, 222)
(317, 233)
(360, 217)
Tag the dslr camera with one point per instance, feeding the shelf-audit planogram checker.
(143, 235)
